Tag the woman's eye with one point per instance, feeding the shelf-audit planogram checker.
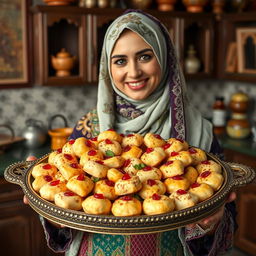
(145, 57)
(120, 62)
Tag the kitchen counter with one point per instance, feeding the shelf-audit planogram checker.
(18, 152)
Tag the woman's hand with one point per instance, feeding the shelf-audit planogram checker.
(213, 220)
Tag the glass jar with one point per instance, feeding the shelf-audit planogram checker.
(219, 115)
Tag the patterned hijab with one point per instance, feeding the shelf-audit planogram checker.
(166, 111)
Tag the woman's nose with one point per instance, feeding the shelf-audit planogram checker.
(134, 69)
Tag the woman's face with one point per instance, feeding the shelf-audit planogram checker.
(134, 66)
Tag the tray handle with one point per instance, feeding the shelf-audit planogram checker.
(243, 174)
(15, 173)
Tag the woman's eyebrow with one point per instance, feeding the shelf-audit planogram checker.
(137, 53)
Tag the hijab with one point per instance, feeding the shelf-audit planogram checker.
(167, 110)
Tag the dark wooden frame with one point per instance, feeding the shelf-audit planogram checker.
(25, 79)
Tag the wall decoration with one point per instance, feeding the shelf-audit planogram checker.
(246, 49)
(14, 56)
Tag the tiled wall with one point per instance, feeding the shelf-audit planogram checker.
(41, 103)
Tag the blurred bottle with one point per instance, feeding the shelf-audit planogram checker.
(219, 111)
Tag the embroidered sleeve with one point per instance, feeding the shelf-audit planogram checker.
(58, 239)
(218, 244)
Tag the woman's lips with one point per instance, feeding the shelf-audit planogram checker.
(137, 85)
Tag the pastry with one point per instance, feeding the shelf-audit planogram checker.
(198, 155)
(126, 206)
(152, 140)
(82, 145)
(110, 148)
(177, 182)
(127, 185)
(150, 187)
(61, 159)
(111, 135)
(92, 154)
(183, 199)
(203, 191)
(59, 176)
(153, 156)
(68, 147)
(48, 190)
(105, 187)
(52, 156)
(149, 172)
(44, 169)
(131, 152)
(97, 204)
(191, 174)
(209, 165)
(81, 185)
(39, 181)
(94, 141)
(114, 174)
(213, 179)
(68, 170)
(172, 168)
(183, 156)
(133, 165)
(96, 168)
(158, 204)
(114, 162)
(134, 139)
(175, 145)
(68, 200)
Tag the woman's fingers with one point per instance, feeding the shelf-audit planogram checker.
(25, 200)
(31, 158)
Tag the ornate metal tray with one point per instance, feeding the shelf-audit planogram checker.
(235, 175)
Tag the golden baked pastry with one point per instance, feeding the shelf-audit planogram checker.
(127, 185)
(44, 169)
(94, 141)
(111, 135)
(48, 190)
(68, 170)
(175, 145)
(198, 155)
(52, 156)
(131, 152)
(183, 156)
(92, 154)
(59, 176)
(96, 168)
(82, 145)
(203, 191)
(133, 139)
(150, 187)
(68, 147)
(177, 182)
(209, 165)
(153, 156)
(114, 162)
(149, 172)
(61, 159)
(39, 181)
(213, 179)
(81, 185)
(172, 168)
(158, 204)
(126, 206)
(105, 187)
(68, 200)
(183, 199)
(191, 174)
(110, 148)
(114, 174)
(97, 204)
(132, 165)
(152, 140)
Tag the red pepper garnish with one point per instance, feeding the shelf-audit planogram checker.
(149, 150)
(126, 176)
(99, 162)
(195, 185)
(151, 182)
(205, 174)
(167, 145)
(206, 162)
(181, 191)
(126, 198)
(156, 197)
(47, 166)
(71, 142)
(75, 165)
(69, 193)
(147, 168)
(99, 196)
(80, 177)
(55, 183)
(157, 136)
(92, 152)
(174, 153)
(168, 163)
(108, 141)
(110, 183)
(192, 151)
(126, 149)
(68, 156)
(126, 162)
(177, 177)
(48, 178)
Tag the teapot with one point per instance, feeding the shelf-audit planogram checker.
(35, 134)
(63, 63)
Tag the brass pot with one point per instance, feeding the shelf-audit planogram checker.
(166, 5)
(195, 5)
(63, 63)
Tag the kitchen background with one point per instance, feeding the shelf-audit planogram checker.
(41, 103)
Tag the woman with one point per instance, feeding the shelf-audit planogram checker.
(142, 89)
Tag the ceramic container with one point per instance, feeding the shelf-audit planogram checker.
(195, 5)
(166, 5)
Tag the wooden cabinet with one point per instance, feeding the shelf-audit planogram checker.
(228, 49)
(246, 206)
(81, 31)
(21, 232)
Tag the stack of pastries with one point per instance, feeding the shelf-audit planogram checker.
(127, 175)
